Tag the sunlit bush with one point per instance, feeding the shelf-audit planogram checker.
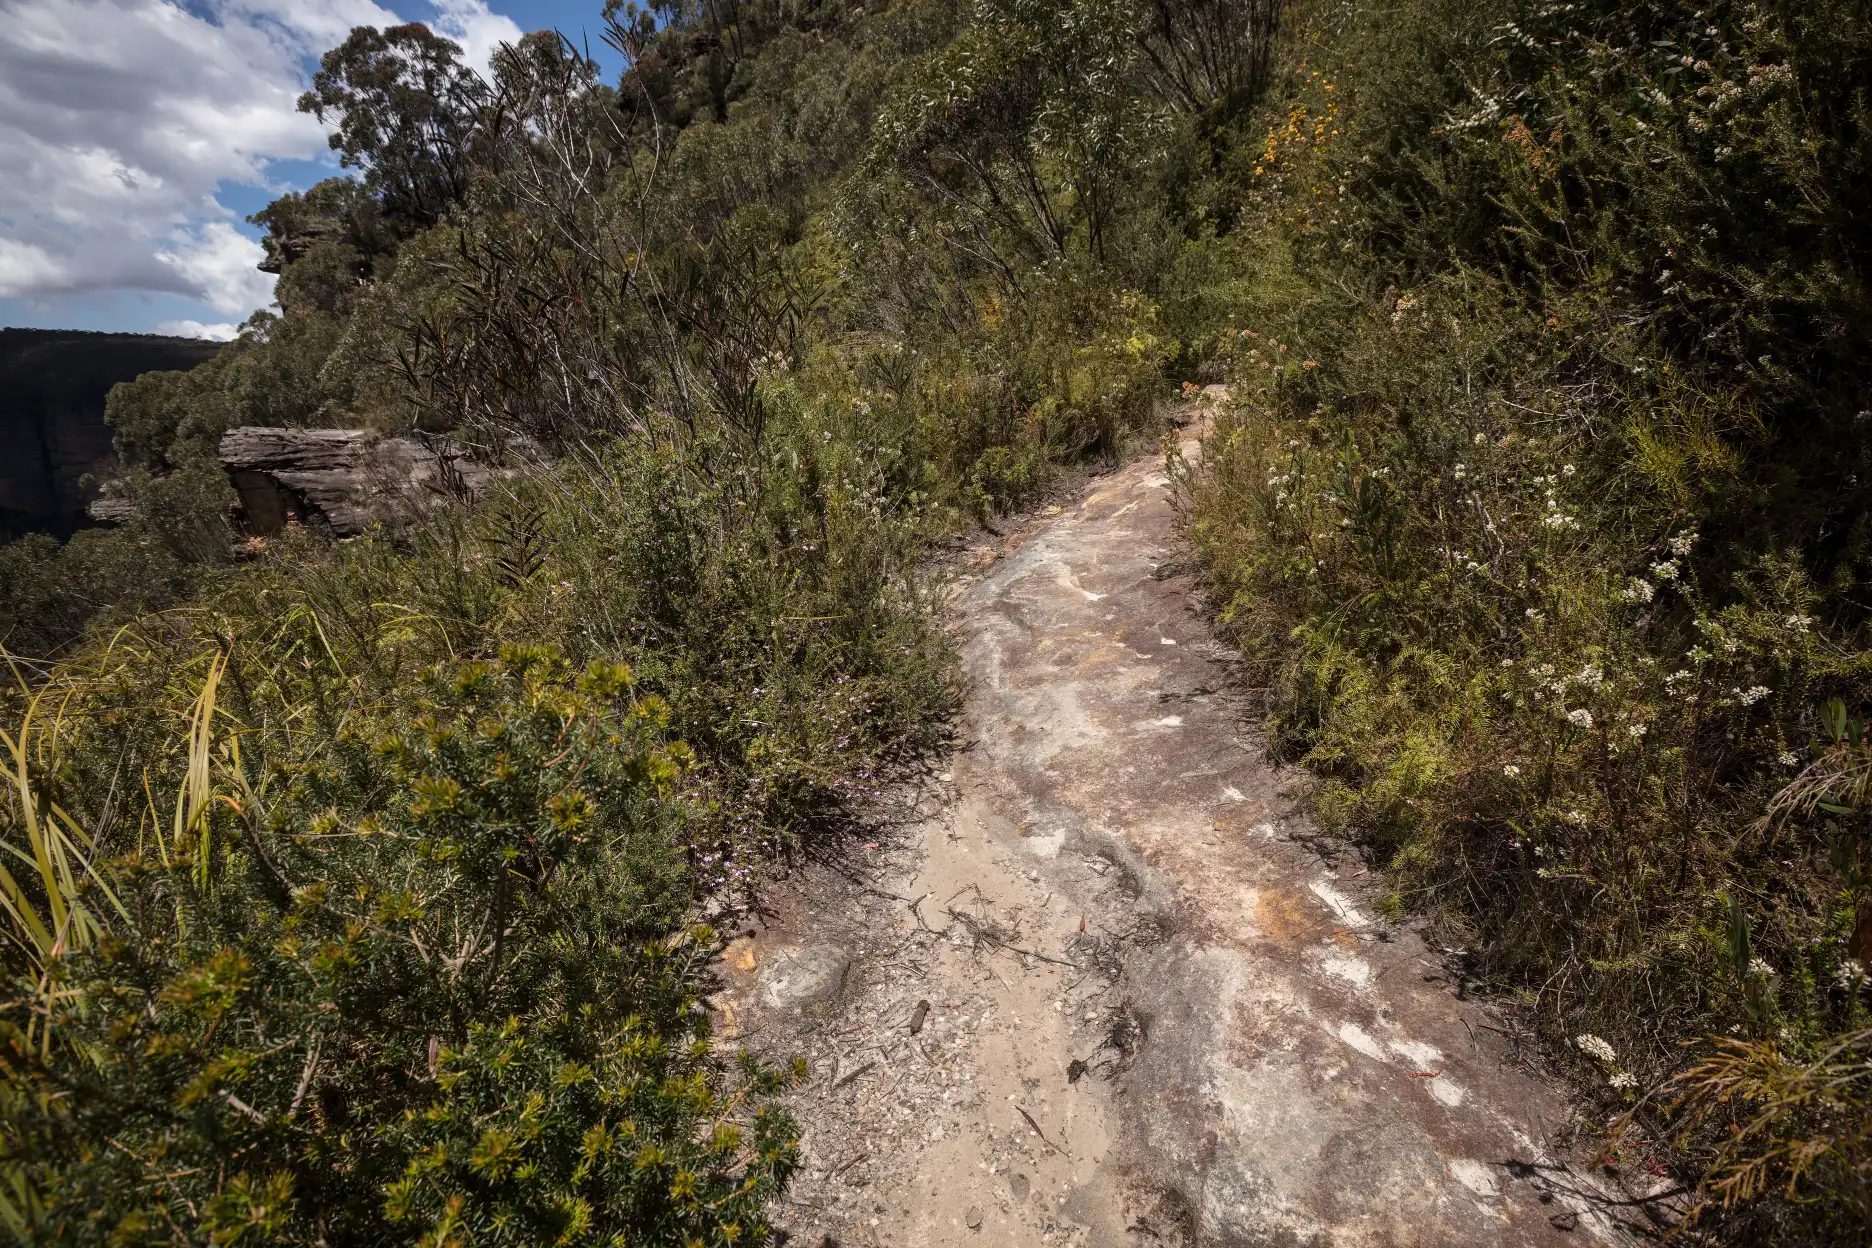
(1540, 503)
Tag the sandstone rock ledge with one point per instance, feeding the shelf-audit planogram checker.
(347, 479)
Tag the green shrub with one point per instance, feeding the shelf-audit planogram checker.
(412, 981)
(1539, 500)
(51, 594)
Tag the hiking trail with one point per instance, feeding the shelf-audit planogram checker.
(1159, 1009)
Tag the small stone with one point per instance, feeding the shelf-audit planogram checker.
(1019, 1185)
(801, 977)
(974, 1218)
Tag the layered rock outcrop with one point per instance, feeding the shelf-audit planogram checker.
(346, 479)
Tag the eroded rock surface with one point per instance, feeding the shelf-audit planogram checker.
(348, 479)
(1155, 1014)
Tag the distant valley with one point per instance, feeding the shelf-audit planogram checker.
(54, 443)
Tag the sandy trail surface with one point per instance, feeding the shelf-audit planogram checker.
(1099, 984)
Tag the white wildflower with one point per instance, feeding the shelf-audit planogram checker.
(1640, 590)
(1461, 472)
(1593, 1046)
(1511, 771)
(1637, 731)
(1751, 695)
(1507, 662)
(1788, 758)
(1481, 439)
(1760, 969)
(1473, 566)
(1534, 613)
(1581, 718)
(1665, 571)
(1799, 623)
(1852, 973)
(1566, 470)
(1592, 676)
(1623, 1081)
(1680, 545)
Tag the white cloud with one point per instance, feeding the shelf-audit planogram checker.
(225, 331)
(24, 266)
(217, 263)
(120, 120)
(478, 31)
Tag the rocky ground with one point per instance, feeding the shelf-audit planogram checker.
(1098, 984)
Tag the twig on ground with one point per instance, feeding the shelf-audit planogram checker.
(853, 1075)
(985, 933)
(1037, 1131)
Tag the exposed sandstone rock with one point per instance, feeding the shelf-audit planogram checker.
(112, 505)
(347, 479)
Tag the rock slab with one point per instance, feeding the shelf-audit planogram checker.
(346, 479)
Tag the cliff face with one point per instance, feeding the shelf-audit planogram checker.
(52, 430)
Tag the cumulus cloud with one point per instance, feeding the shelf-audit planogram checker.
(475, 28)
(225, 331)
(120, 120)
(217, 263)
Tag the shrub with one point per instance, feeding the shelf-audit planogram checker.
(1538, 502)
(50, 594)
(413, 981)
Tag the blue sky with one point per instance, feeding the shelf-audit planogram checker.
(137, 135)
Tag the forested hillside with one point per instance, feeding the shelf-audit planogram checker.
(361, 890)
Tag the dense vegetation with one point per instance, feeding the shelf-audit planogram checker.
(1544, 505)
(358, 888)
